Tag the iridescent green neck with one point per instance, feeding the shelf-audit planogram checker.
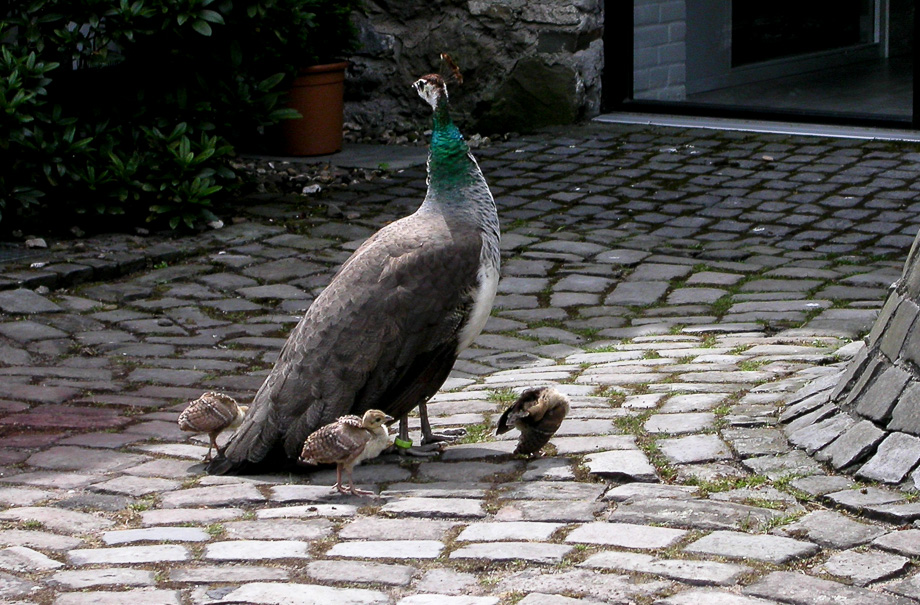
(449, 156)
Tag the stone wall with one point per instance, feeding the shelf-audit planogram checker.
(659, 40)
(867, 420)
(526, 63)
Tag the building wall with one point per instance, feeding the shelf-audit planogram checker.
(525, 63)
(659, 40)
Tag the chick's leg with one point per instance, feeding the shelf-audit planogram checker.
(351, 485)
(212, 445)
(338, 479)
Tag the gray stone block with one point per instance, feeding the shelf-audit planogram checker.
(435, 507)
(749, 442)
(574, 511)
(387, 549)
(861, 379)
(896, 456)
(905, 416)
(694, 572)
(795, 462)
(627, 535)
(305, 594)
(112, 576)
(816, 436)
(129, 554)
(538, 552)
(695, 514)
(140, 596)
(877, 401)
(858, 499)
(895, 334)
(818, 485)
(629, 464)
(694, 448)
(805, 406)
(906, 542)
(360, 572)
(900, 513)
(607, 588)
(710, 596)
(637, 293)
(817, 415)
(853, 445)
(862, 568)
(853, 369)
(798, 588)
(908, 587)
(831, 530)
(884, 317)
(911, 347)
(740, 545)
(508, 530)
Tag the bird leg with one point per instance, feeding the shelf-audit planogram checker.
(338, 479)
(212, 445)
(351, 484)
(429, 437)
(422, 451)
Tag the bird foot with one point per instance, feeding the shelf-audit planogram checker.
(429, 450)
(445, 436)
(351, 490)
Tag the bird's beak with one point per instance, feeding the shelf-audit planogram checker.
(417, 85)
(388, 419)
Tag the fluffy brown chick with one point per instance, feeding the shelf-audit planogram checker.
(212, 413)
(537, 413)
(346, 442)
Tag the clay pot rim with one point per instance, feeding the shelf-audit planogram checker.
(323, 68)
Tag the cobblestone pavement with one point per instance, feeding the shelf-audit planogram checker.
(681, 286)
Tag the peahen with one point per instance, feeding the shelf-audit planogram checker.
(386, 331)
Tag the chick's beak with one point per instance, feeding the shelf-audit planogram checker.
(388, 419)
(418, 85)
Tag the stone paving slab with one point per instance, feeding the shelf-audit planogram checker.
(831, 530)
(862, 568)
(387, 549)
(693, 572)
(308, 594)
(738, 545)
(626, 535)
(798, 588)
(681, 299)
(693, 514)
(706, 596)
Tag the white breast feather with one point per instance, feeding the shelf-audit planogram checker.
(482, 305)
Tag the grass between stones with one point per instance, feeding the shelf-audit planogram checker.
(633, 424)
(477, 433)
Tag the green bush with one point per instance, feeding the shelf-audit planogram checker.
(132, 108)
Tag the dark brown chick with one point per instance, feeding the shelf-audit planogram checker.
(537, 414)
(346, 442)
(212, 413)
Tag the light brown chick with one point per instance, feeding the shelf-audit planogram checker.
(537, 413)
(346, 442)
(212, 413)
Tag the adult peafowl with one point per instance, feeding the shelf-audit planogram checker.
(386, 331)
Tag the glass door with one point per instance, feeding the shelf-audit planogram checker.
(827, 60)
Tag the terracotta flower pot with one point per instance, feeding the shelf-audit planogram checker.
(317, 94)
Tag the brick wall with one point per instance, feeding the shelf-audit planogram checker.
(660, 64)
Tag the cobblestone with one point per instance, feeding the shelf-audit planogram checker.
(682, 304)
